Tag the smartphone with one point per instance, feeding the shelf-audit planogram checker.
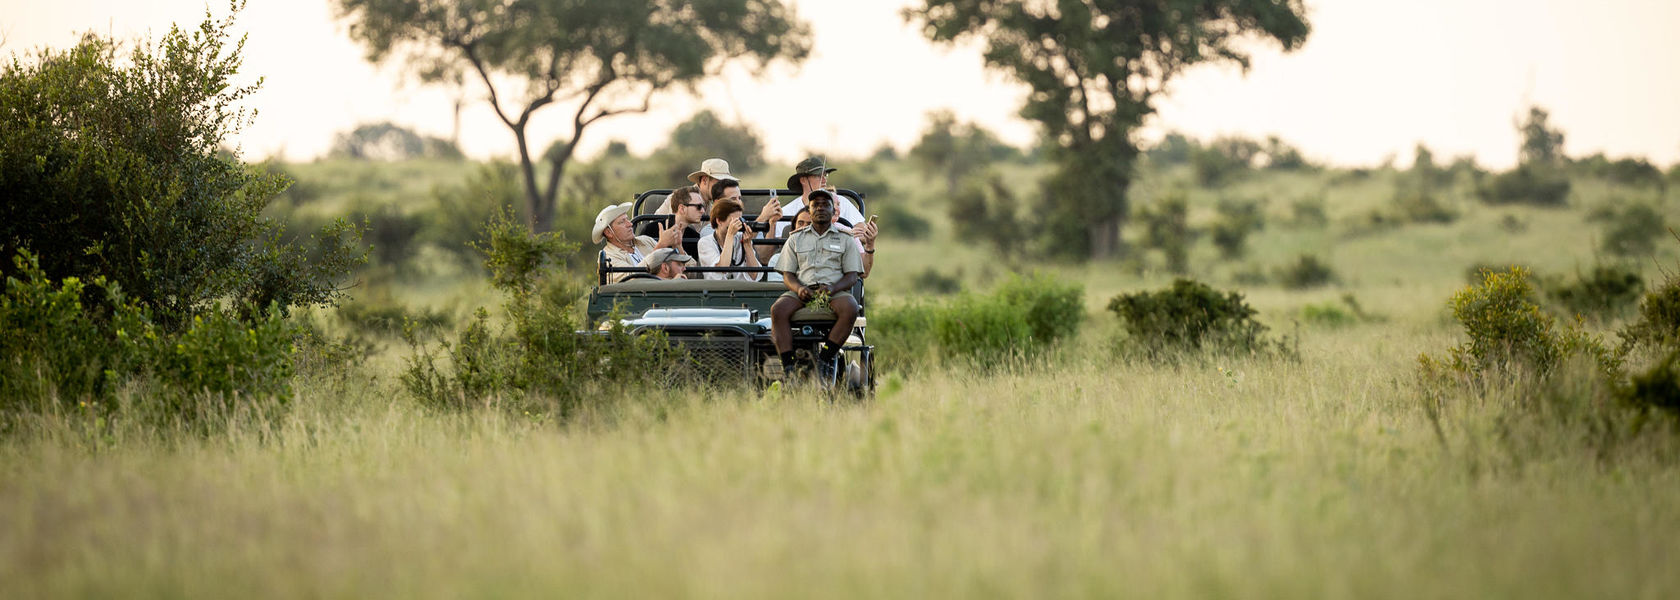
(872, 218)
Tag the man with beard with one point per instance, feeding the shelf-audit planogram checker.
(815, 262)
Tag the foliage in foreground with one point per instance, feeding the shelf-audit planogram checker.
(542, 359)
(122, 165)
(58, 351)
(1191, 319)
(1548, 378)
(1022, 318)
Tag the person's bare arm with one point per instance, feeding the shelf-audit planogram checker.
(843, 285)
(791, 280)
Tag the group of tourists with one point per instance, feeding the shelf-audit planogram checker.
(828, 247)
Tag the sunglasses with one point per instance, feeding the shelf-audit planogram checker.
(696, 205)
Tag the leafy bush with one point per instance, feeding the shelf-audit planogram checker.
(1334, 314)
(68, 342)
(462, 211)
(1605, 292)
(1306, 272)
(1191, 318)
(1023, 317)
(538, 361)
(1633, 231)
(1527, 184)
(938, 282)
(382, 315)
(1416, 205)
(1167, 228)
(123, 166)
(987, 212)
(1309, 212)
(1236, 221)
(899, 222)
(1657, 387)
(1476, 273)
(1658, 325)
(1508, 332)
(1223, 160)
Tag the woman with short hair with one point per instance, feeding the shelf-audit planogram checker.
(730, 244)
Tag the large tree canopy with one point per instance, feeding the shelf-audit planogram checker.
(602, 57)
(1095, 67)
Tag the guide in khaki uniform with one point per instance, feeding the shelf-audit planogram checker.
(817, 261)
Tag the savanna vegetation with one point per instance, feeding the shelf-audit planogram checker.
(1292, 379)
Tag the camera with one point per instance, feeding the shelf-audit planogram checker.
(758, 226)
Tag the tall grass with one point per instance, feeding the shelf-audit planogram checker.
(1263, 479)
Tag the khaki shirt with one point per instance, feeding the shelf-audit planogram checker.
(820, 258)
(619, 257)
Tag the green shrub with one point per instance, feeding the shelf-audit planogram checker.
(1337, 314)
(1306, 272)
(542, 360)
(382, 315)
(1476, 273)
(1223, 160)
(1191, 318)
(1414, 205)
(123, 166)
(937, 281)
(1236, 221)
(1508, 332)
(1603, 293)
(1633, 231)
(1658, 324)
(987, 212)
(1309, 212)
(69, 343)
(1022, 318)
(1657, 387)
(1167, 228)
(899, 222)
(1530, 184)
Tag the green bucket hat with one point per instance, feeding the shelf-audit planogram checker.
(809, 166)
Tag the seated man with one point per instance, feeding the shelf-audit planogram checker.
(667, 263)
(623, 247)
(822, 260)
(864, 236)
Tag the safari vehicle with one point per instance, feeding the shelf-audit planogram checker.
(723, 326)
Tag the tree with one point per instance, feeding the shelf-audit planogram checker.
(389, 141)
(703, 136)
(115, 169)
(606, 57)
(1542, 145)
(1095, 67)
(956, 151)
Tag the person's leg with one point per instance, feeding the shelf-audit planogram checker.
(781, 326)
(845, 313)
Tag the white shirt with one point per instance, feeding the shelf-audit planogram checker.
(843, 205)
(710, 253)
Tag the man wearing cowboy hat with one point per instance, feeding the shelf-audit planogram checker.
(623, 247)
(812, 174)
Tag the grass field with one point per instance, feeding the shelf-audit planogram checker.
(1073, 475)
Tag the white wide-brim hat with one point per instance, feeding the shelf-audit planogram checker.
(605, 218)
(716, 167)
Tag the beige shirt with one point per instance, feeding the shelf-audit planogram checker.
(820, 258)
(619, 257)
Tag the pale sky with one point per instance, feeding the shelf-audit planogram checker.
(1374, 79)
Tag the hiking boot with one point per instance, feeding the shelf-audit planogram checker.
(828, 371)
